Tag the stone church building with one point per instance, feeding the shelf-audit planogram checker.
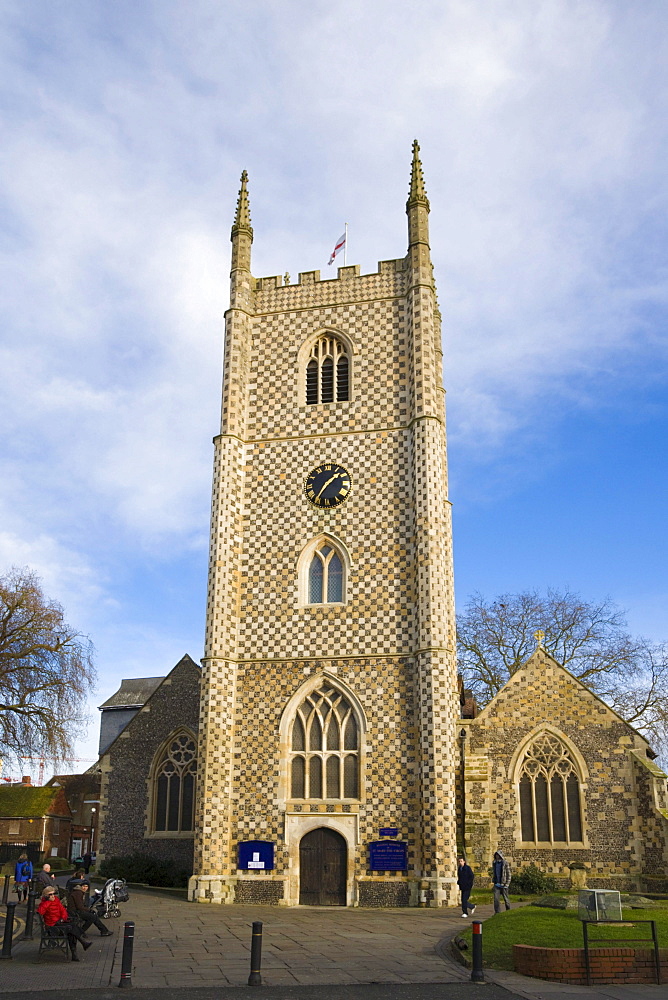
(320, 755)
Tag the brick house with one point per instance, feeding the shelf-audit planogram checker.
(83, 797)
(39, 816)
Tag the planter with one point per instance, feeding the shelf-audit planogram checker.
(608, 965)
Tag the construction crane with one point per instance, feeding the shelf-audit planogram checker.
(41, 767)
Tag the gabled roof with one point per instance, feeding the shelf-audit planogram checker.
(88, 781)
(186, 660)
(27, 800)
(133, 692)
(536, 663)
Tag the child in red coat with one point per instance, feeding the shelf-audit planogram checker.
(54, 914)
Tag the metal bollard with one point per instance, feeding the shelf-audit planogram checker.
(30, 915)
(255, 979)
(5, 890)
(477, 975)
(126, 960)
(9, 931)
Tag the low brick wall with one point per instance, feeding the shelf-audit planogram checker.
(608, 965)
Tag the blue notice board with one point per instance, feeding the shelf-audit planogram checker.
(256, 855)
(388, 856)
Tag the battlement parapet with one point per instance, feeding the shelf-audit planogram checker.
(273, 292)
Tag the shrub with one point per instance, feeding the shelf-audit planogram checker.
(58, 864)
(532, 881)
(138, 867)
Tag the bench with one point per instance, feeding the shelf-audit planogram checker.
(53, 938)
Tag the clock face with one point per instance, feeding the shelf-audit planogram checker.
(327, 486)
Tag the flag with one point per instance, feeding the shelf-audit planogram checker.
(338, 246)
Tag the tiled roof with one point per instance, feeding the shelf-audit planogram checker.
(133, 692)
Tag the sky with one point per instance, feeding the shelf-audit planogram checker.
(125, 127)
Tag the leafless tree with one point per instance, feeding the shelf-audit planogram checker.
(46, 671)
(591, 639)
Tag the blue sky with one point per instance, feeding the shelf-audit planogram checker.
(543, 128)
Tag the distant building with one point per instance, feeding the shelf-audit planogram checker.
(83, 797)
(35, 819)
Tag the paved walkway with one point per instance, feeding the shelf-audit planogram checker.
(206, 950)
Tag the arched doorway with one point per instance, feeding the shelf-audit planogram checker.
(323, 864)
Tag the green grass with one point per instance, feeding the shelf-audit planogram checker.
(555, 929)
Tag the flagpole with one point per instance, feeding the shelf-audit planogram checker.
(345, 247)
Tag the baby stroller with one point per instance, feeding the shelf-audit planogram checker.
(106, 900)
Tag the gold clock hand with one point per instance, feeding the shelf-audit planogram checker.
(336, 476)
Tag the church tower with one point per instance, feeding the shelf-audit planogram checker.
(329, 699)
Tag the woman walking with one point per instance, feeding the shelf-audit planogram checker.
(22, 877)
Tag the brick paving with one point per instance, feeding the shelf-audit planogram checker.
(182, 945)
(206, 950)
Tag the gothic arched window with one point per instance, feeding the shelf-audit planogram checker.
(325, 575)
(549, 792)
(324, 747)
(327, 371)
(174, 786)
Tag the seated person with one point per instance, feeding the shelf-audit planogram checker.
(79, 911)
(74, 879)
(54, 914)
(45, 877)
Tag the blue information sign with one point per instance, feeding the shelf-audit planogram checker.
(388, 856)
(256, 855)
(388, 831)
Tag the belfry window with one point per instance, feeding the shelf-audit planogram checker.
(327, 371)
(549, 793)
(324, 747)
(325, 576)
(174, 786)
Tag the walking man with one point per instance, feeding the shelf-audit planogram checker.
(465, 879)
(501, 876)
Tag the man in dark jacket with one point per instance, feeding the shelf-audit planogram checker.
(501, 878)
(45, 878)
(77, 909)
(465, 879)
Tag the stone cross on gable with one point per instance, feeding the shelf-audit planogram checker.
(539, 636)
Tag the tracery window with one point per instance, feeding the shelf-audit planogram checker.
(174, 786)
(324, 747)
(549, 791)
(327, 371)
(325, 575)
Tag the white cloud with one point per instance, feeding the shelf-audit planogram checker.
(125, 128)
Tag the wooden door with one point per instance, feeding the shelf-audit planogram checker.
(322, 868)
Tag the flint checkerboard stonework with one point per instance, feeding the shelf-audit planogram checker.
(387, 646)
(624, 796)
(391, 643)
